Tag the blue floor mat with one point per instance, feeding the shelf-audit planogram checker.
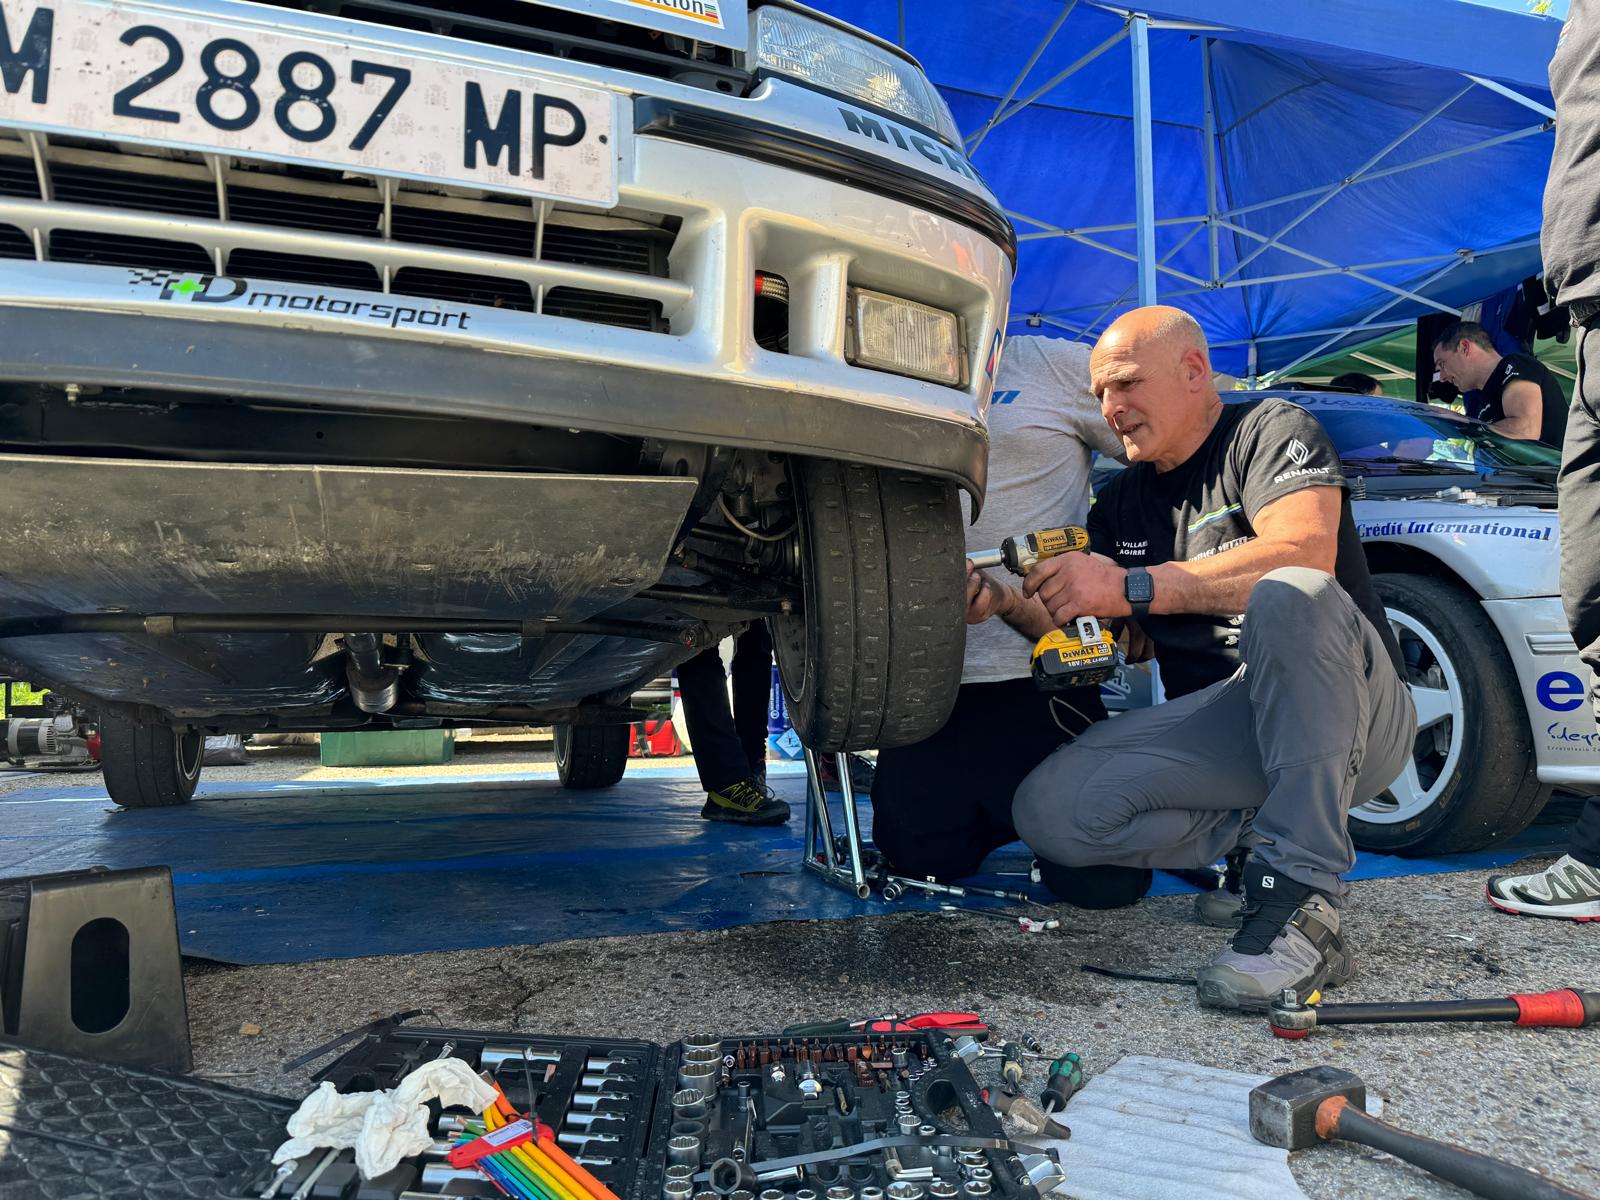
(291, 872)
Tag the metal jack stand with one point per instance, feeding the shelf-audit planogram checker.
(821, 851)
(844, 867)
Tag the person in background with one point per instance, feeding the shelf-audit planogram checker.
(940, 806)
(1517, 394)
(1570, 887)
(1355, 381)
(730, 743)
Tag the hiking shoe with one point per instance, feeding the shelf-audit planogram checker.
(745, 803)
(1566, 888)
(1223, 907)
(1288, 938)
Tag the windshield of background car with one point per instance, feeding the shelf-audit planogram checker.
(1413, 434)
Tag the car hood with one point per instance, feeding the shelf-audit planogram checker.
(719, 22)
(1502, 551)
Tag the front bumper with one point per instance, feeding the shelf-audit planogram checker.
(1555, 686)
(822, 226)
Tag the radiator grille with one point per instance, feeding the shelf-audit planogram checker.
(323, 202)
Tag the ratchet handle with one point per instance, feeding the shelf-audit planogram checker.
(1564, 1009)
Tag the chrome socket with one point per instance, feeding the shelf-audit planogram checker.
(684, 1150)
(702, 1077)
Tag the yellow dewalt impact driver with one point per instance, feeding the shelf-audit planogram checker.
(1084, 656)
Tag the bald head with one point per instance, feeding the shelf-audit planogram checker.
(1152, 373)
(1159, 325)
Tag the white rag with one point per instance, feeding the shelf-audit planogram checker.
(1159, 1129)
(384, 1127)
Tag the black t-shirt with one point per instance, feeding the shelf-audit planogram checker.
(1258, 452)
(1489, 405)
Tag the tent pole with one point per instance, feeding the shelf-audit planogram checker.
(1143, 159)
(976, 139)
(1089, 329)
(1372, 316)
(1501, 89)
(1209, 134)
(1307, 333)
(1352, 272)
(1354, 177)
(1385, 172)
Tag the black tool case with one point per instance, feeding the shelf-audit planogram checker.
(623, 1110)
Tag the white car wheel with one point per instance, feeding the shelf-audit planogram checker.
(1471, 781)
(1441, 724)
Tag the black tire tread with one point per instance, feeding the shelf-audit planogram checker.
(139, 764)
(885, 553)
(596, 756)
(1501, 792)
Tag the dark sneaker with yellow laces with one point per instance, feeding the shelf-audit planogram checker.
(745, 803)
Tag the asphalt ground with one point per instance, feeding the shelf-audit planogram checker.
(1524, 1095)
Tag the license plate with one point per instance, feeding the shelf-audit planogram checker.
(110, 70)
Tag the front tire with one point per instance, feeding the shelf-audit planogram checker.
(148, 765)
(1471, 782)
(591, 756)
(873, 659)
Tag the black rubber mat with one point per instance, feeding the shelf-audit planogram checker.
(71, 1129)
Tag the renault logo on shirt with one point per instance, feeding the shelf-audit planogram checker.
(1297, 451)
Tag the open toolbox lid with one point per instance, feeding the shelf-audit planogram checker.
(859, 1112)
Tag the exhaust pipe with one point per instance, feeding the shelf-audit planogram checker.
(375, 687)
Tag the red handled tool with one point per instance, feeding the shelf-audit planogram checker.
(1564, 1009)
(496, 1141)
(953, 1022)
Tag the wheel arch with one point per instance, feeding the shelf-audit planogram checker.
(1398, 558)
(1395, 558)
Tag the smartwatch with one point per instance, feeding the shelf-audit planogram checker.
(1139, 589)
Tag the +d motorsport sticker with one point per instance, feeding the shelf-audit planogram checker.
(180, 287)
(708, 12)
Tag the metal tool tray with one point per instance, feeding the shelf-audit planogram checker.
(593, 1090)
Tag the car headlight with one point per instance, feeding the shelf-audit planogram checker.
(827, 57)
(886, 333)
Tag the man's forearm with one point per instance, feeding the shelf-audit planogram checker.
(1220, 585)
(1027, 615)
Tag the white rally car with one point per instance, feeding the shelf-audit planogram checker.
(1460, 530)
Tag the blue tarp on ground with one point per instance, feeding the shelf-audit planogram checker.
(1307, 94)
(294, 872)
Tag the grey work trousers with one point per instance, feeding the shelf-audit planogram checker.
(1580, 553)
(1316, 719)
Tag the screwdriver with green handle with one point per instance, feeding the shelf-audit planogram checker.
(1066, 1078)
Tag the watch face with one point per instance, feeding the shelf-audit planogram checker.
(1140, 587)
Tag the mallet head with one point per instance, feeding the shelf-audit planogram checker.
(1283, 1111)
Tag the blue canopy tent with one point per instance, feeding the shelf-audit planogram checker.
(1303, 176)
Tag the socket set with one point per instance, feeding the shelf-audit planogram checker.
(839, 1117)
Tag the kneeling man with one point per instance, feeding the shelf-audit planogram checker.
(1229, 544)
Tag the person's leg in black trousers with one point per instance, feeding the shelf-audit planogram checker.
(720, 757)
(941, 806)
(752, 692)
(1570, 887)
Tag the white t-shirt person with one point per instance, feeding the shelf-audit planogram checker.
(1043, 424)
